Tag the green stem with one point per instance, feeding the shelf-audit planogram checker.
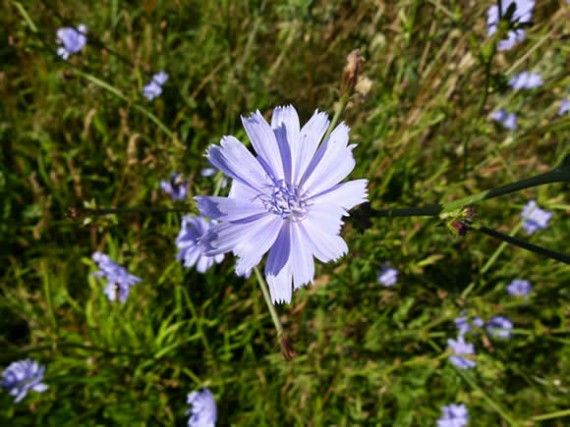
(522, 244)
(489, 400)
(557, 414)
(104, 85)
(556, 175)
(270, 306)
(560, 174)
(106, 211)
(339, 111)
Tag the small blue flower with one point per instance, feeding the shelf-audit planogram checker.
(71, 40)
(508, 120)
(119, 281)
(289, 199)
(188, 242)
(526, 80)
(500, 327)
(175, 186)
(564, 106)
(388, 276)
(460, 348)
(203, 411)
(208, 172)
(519, 287)
(22, 376)
(522, 15)
(454, 415)
(536, 218)
(465, 325)
(154, 87)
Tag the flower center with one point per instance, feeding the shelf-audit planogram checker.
(286, 200)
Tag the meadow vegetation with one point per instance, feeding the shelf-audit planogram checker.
(79, 133)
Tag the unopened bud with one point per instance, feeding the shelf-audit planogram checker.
(287, 349)
(459, 227)
(351, 72)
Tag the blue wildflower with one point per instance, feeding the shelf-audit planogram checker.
(526, 80)
(203, 411)
(22, 376)
(175, 186)
(508, 120)
(154, 87)
(388, 276)
(72, 40)
(522, 15)
(564, 106)
(119, 281)
(460, 348)
(288, 200)
(454, 415)
(519, 287)
(500, 327)
(535, 218)
(188, 242)
(208, 172)
(465, 325)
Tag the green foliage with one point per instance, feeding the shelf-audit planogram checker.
(79, 133)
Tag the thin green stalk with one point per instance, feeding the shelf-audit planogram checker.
(198, 321)
(557, 414)
(556, 175)
(522, 244)
(104, 85)
(270, 306)
(51, 310)
(560, 174)
(489, 400)
(26, 17)
(339, 111)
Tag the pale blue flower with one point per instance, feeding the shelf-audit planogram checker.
(454, 415)
(388, 276)
(154, 87)
(22, 376)
(536, 218)
(508, 120)
(526, 80)
(465, 325)
(119, 281)
(175, 186)
(209, 172)
(191, 231)
(519, 287)
(203, 410)
(522, 15)
(461, 348)
(72, 40)
(288, 200)
(500, 327)
(564, 106)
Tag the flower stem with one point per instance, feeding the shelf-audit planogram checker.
(339, 111)
(557, 414)
(270, 306)
(559, 174)
(521, 243)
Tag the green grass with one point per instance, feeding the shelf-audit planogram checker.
(80, 131)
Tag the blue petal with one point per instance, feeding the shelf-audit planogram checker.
(278, 267)
(346, 195)
(263, 140)
(331, 164)
(238, 163)
(311, 135)
(228, 208)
